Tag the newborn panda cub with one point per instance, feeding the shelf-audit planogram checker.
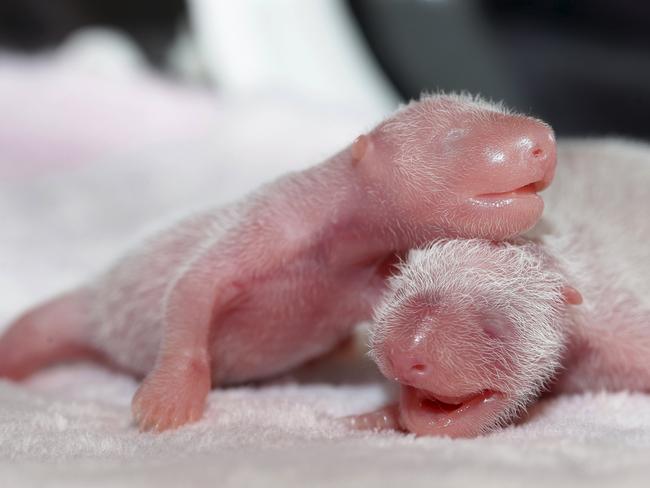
(475, 330)
(472, 330)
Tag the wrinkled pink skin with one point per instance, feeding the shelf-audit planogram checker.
(474, 334)
(248, 291)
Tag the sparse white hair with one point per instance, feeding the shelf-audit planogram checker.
(432, 111)
(515, 279)
(431, 114)
(468, 101)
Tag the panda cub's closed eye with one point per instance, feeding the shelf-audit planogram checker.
(495, 326)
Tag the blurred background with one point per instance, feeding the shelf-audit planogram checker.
(582, 65)
(118, 116)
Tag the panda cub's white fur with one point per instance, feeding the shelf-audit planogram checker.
(514, 279)
(594, 237)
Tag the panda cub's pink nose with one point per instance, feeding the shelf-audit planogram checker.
(539, 148)
(418, 368)
(409, 369)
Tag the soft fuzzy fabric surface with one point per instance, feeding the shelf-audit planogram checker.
(87, 164)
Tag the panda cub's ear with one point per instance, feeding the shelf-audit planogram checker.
(571, 295)
(360, 147)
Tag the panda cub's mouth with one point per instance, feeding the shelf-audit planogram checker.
(426, 413)
(528, 190)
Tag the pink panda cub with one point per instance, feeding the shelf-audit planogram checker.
(475, 330)
(250, 290)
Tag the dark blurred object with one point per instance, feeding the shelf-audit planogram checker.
(34, 24)
(582, 65)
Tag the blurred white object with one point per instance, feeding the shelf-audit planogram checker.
(184, 61)
(101, 51)
(309, 48)
(90, 155)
